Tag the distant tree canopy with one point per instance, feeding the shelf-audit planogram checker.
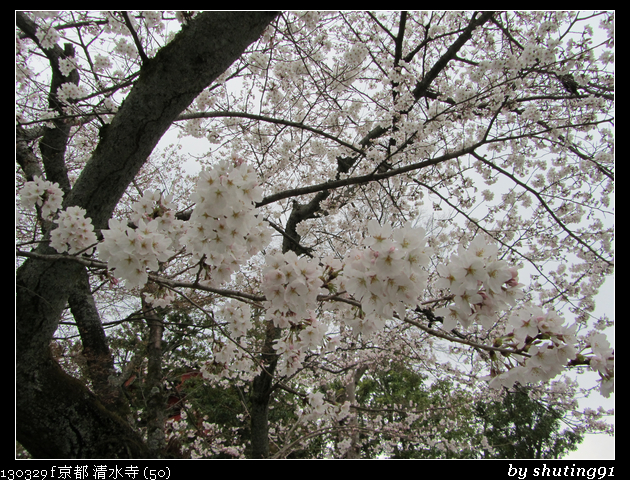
(519, 427)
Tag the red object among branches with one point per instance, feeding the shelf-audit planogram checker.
(177, 397)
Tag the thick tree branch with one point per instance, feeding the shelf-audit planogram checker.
(54, 140)
(56, 416)
(372, 177)
(100, 361)
(136, 40)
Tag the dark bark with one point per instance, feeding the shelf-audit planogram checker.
(261, 394)
(24, 155)
(299, 213)
(56, 415)
(53, 143)
(100, 362)
(54, 140)
(156, 401)
(263, 383)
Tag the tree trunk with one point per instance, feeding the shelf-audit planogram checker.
(156, 403)
(355, 449)
(99, 358)
(56, 415)
(261, 394)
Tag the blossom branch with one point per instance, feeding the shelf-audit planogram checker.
(450, 338)
(372, 177)
(277, 121)
(134, 35)
(544, 205)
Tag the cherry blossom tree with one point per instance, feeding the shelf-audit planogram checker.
(365, 190)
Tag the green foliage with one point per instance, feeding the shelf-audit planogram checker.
(515, 427)
(381, 392)
(520, 427)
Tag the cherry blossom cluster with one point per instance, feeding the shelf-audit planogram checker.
(44, 194)
(223, 229)
(125, 48)
(356, 54)
(292, 348)
(238, 315)
(603, 360)
(291, 285)
(547, 341)
(70, 90)
(386, 275)
(160, 300)
(312, 332)
(230, 360)
(66, 65)
(481, 285)
(148, 240)
(47, 36)
(318, 408)
(101, 62)
(74, 232)
(131, 251)
(550, 346)
(154, 206)
(291, 356)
